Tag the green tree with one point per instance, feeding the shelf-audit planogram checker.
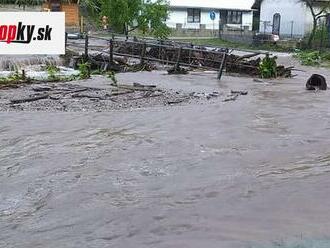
(22, 3)
(319, 9)
(129, 15)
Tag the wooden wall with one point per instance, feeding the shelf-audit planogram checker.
(71, 13)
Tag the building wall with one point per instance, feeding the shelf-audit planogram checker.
(213, 4)
(71, 14)
(247, 19)
(71, 11)
(293, 17)
(179, 16)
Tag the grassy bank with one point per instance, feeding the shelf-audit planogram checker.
(237, 45)
(313, 57)
(306, 57)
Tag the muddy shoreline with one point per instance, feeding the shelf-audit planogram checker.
(99, 94)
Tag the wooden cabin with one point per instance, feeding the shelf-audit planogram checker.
(71, 9)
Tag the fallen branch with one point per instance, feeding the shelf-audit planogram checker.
(239, 92)
(118, 93)
(30, 99)
(41, 88)
(87, 96)
(55, 97)
(231, 98)
(147, 95)
(74, 91)
(143, 85)
(175, 101)
(136, 88)
(248, 56)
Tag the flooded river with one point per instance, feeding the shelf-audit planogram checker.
(234, 174)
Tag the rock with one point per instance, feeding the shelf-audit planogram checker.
(316, 82)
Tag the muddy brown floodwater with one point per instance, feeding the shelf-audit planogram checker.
(221, 174)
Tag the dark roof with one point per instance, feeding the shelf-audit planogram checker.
(256, 4)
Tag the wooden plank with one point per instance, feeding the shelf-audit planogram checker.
(222, 65)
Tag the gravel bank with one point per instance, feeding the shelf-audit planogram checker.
(96, 95)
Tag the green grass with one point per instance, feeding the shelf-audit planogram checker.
(237, 45)
(313, 57)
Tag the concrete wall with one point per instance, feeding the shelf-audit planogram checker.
(293, 17)
(245, 37)
(179, 16)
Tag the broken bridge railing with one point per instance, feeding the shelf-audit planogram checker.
(160, 51)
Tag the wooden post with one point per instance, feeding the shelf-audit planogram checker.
(23, 75)
(111, 52)
(143, 52)
(161, 53)
(177, 65)
(222, 65)
(86, 47)
(66, 39)
(81, 24)
(189, 56)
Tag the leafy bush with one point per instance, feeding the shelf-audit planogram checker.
(309, 57)
(112, 77)
(52, 70)
(325, 56)
(84, 70)
(268, 67)
(15, 76)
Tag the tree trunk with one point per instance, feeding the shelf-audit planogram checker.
(312, 35)
(126, 30)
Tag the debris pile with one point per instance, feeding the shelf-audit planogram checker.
(77, 97)
(193, 56)
(135, 55)
(234, 94)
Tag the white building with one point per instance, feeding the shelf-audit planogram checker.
(285, 17)
(195, 14)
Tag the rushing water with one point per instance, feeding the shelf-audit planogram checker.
(18, 62)
(34, 66)
(232, 174)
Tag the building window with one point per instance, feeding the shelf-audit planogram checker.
(194, 15)
(55, 5)
(234, 17)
